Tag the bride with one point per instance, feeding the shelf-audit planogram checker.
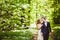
(39, 25)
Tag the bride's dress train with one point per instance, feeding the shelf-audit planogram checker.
(40, 36)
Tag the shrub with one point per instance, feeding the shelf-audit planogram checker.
(56, 34)
(14, 35)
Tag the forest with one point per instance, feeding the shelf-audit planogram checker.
(18, 18)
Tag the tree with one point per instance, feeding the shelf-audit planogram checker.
(13, 14)
(56, 13)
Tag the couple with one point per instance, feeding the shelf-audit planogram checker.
(44, 29)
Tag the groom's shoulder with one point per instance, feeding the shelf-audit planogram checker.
(48, 22)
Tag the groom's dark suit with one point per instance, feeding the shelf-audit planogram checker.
(45, 30)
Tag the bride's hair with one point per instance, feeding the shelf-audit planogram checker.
(38, 21)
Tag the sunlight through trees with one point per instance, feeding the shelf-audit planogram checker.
(20, 14)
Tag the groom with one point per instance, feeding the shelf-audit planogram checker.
(46, 29)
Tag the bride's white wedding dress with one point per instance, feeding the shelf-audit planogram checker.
(40, 36)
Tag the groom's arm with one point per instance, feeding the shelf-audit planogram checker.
(49, 27)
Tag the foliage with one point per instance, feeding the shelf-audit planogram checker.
(18, 14)
(56, 13)
(13, 15)
(16, 35)
(57, 34)
(41, 8)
